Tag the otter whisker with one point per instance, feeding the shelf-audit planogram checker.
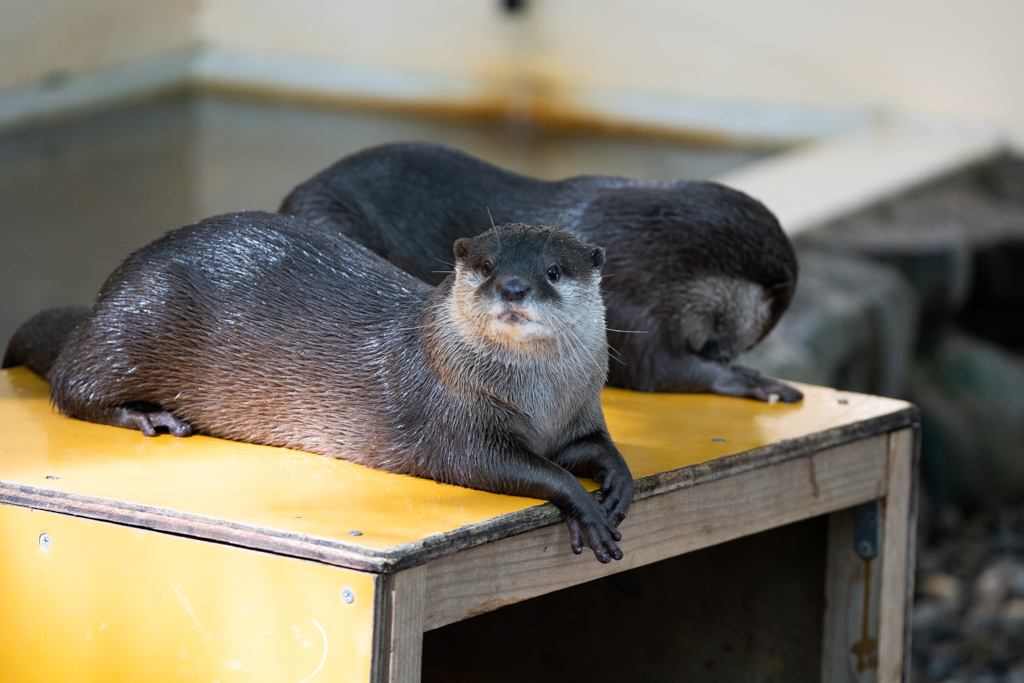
(612, 329)
(579, 341)
(554, 227)
(445, 262)
(493, 226)
(558, 346)
(612, 351)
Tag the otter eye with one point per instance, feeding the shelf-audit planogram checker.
(486, 268)
(554, 272)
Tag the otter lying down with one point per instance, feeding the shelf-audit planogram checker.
(258, 327)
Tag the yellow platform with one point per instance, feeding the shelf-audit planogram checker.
(219, 611)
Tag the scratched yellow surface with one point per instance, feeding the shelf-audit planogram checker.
(311, 494)
(110, 603)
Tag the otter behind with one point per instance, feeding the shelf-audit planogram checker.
(699, 272)
(258, 328)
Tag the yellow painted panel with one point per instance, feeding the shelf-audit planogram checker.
(309, 494)
(110, 603)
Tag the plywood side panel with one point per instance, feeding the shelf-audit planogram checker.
(110, 603)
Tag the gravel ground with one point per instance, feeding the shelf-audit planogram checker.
(969, 603)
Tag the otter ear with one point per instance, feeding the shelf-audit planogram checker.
(596, 259)
(461, 248)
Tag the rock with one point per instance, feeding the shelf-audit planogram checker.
(943, 658)
(932, 234)
(971, 394)
(1015, 674)
(933, 619)
(944, 588)
(1011, 617)
(992, 585)
(851, 325)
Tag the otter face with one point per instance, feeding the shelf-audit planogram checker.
(721, 317)
(521, 284)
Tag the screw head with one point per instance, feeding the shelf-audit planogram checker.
(864, 548)
(355, 532)
(347, 595)
(44, 541)
(718, 440)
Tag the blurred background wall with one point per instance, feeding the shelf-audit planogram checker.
(786, 69)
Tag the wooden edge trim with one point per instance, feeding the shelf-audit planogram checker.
(915, 502)
(398, 638)
(897, 557)
(380, 643)
(190, 525)
(397, 558)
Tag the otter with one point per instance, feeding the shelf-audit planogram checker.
(698, 272)
(256, 327)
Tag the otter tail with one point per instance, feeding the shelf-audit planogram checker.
(36, 343)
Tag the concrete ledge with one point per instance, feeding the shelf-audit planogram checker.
(303, 77)
(50, 98)
(816, 183)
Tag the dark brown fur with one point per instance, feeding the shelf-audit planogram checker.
(35, 344)
(258, 328)
(702, 271)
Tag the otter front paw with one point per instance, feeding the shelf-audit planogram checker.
(748, 383)
(616, 495)
(594, 531)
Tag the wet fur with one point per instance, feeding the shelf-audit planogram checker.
(256, 327)
(688, 262)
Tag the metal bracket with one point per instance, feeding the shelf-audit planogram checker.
(865, 528)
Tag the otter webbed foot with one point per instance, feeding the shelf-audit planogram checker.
(593, 530)
(147, 422)
(748, 383)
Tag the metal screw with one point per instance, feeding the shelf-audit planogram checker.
(844, 401)
(355, 532)
(44, 541)
(718, 440)
(864, 549)
(347, 595)
(50, 476)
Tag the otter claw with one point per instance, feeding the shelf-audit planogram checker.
(148, 422)
(617, 496)
(748, 383)
(778, 391)
(597, 539)
(175, 426)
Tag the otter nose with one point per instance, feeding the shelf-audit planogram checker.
(513, 290)
(714, 349)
